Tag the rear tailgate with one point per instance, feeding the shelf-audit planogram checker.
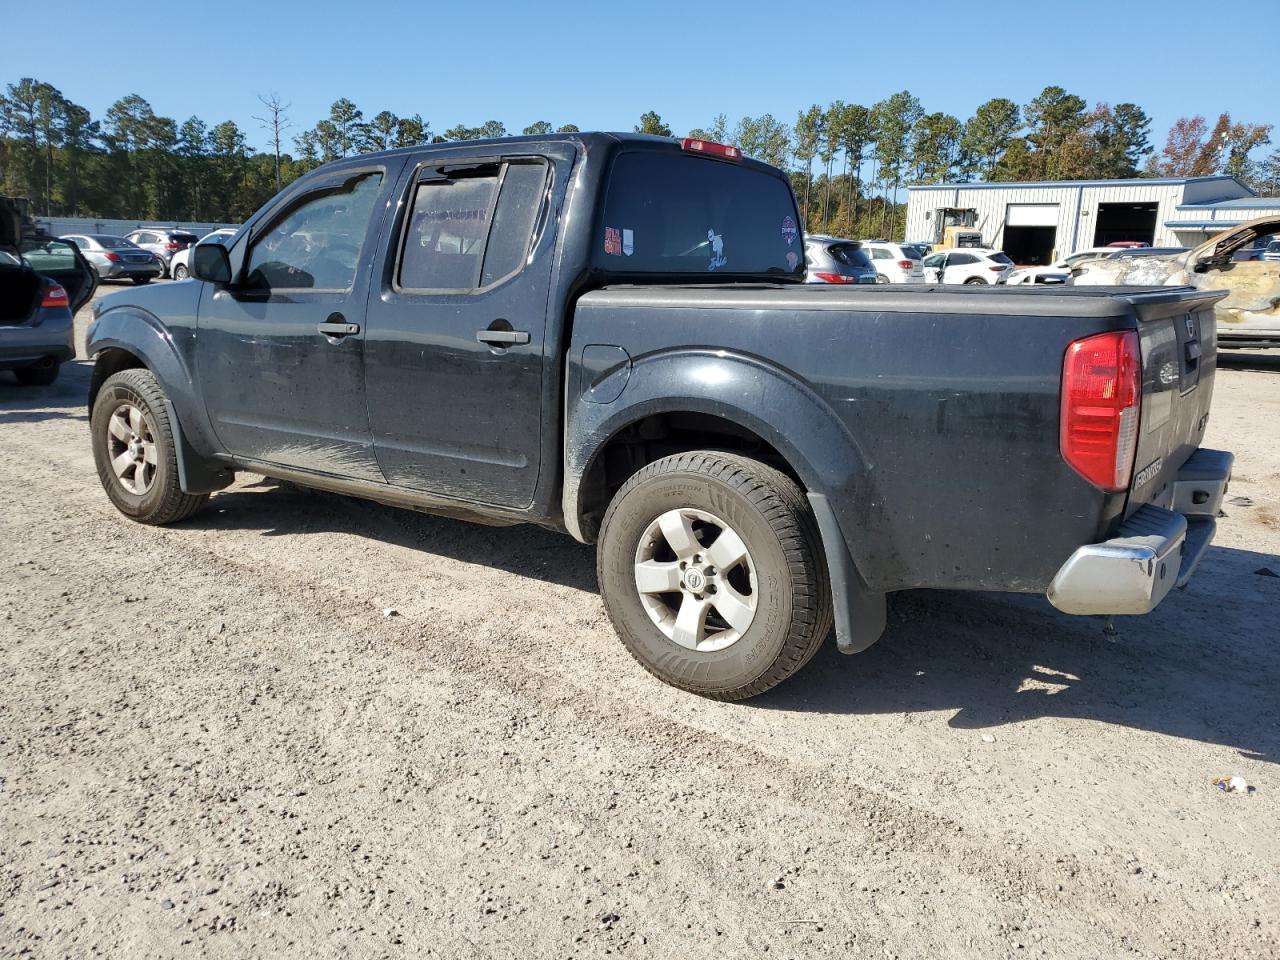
(1179, 340)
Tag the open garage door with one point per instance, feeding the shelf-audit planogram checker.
(1125, 222)
(1030, 232)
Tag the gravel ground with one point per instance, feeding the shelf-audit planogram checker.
(214, 743)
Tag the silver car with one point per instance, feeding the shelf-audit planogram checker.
(115, 258)
(833, 260)
(164, 242)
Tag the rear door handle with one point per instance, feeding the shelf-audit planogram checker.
(338, 329)
(502, 338)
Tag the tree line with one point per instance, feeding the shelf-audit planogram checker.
(848, 162)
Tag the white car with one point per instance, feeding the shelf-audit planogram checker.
(895, 262)
(972, 265)
(180, 265)
(1025, 276)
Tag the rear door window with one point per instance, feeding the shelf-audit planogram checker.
(470, 229)
(668, 213)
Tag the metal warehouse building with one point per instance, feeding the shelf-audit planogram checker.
(1036, 223)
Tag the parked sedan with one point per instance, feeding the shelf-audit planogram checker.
(163, 242)
(1272, 253)
(972, 265)
(115, 258)
(42, 283)
(832, 260)
(180, 265)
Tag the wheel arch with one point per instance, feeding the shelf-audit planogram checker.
(707, 399)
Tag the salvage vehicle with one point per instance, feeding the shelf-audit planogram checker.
(610, 335)
(1248, 315)
(43, 282)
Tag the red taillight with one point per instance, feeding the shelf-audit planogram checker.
(171, 246)
(906, 264)
(113, 257)
(1101, 393)
(55, 295)
(834, 278)
(710, 148)
(996, 269)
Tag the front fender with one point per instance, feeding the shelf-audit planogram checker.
(748, 391)
(164, 351)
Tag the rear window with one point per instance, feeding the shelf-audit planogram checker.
(112, 243)
(1001, 258)
(186, 238)
(677, 214)
(913, 253)
(850, 255)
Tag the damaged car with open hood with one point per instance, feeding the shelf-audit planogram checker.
(1249, 315)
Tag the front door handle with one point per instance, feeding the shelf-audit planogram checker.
(337, 326)
(502, 338)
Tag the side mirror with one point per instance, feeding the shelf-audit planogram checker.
(211, 262)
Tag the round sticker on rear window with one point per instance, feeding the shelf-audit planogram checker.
(789, 232)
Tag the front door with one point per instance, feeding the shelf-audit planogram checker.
(454, 351)
(280, 352)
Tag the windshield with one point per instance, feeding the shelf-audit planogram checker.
(679, 214)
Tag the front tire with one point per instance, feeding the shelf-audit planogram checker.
(180, 272)
(38, 376)
(133, 449)
(711, 569)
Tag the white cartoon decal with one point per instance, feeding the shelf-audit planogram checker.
(628, 242)
(718, 258)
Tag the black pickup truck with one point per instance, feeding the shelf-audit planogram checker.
(609, 335)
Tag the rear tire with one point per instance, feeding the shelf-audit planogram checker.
(38, 376)
(881, 278)
(133, 448)
(975, 281)
(747, 534)
(180, 272)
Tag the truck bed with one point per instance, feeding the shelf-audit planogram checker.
(948, 402)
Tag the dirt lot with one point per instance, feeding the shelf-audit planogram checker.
(214, 743)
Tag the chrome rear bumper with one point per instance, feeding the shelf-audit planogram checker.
(1154, 551)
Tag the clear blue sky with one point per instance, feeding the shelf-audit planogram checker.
(600, 65)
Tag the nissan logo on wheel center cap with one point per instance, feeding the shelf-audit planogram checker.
(694, 580)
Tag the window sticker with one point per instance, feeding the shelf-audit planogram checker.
(792, 259)
(789, 232)
(612, 241)
(628, 242)
(718, 259)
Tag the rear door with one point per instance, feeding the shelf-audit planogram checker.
(61, 261)
(454, 357)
